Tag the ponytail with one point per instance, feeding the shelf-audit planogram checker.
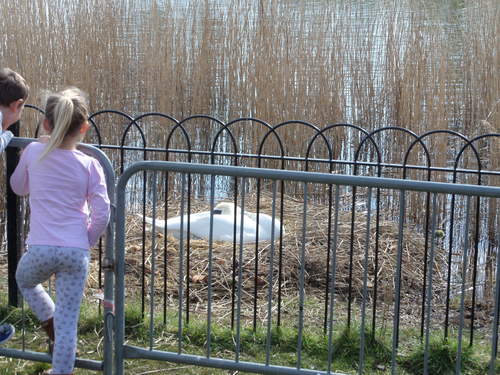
(65, 111)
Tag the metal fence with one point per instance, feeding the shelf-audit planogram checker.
(392, 151)
(164, 310)
(346, 149)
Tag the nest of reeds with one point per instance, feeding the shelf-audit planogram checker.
(298, 255)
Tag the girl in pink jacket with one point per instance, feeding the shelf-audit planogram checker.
(69, 212)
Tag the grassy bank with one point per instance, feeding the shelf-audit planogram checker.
(346, 343)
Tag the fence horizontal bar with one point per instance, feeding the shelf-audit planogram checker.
(484, 172)
(22, 142)
(88, 364)
(133, 352)
(312, 177)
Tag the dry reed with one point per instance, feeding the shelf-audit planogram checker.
(385, 63)
(378, 64)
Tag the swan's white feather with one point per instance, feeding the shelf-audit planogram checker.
(223, 225)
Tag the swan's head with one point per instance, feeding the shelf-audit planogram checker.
(226, 208)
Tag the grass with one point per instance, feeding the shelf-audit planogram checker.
(346, 344)
(442, 358)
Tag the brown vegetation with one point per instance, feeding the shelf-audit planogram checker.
(315, 265)
(421, 67)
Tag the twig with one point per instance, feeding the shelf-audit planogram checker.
(493, 110)
(163, 369)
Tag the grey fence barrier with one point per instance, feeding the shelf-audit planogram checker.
(105, 364)
(168, 340)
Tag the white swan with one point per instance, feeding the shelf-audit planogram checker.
(223, 224)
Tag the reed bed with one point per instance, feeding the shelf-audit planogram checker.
(378, 63)
(420, 65)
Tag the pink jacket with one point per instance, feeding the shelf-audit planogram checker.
(68, 197)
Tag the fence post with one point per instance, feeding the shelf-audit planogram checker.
(12, 158)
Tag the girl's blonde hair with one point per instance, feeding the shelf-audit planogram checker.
(65, 111)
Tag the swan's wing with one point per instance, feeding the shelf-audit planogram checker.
(224, 228)
(200, 225)
(249, 230)
(174, 223)
(251, 215)
(265, 226)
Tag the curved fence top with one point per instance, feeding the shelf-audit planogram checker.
(391, 151)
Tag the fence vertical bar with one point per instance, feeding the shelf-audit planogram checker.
(430, 269)
(495, 323)
(333, 267)
(365, 284)
(426, 248)
(280, 253)
(188, 247)
(235, 241)
(210, 253)
(271, 266)
(376, 266)
(474, 271)
(301, 279)
(397, 292)
(181, 265)
(120, 272)
(143, 255)
(13, 232)
(450, 257)
(108, 262)
(256, 269)
(153, 266)
(240, 271)
(328, 256)
(458, 367)
(351, 257)
(165, 253)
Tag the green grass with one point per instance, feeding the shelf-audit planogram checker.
(442, 359)
(346, 343)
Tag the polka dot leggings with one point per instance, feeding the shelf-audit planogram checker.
(70, 265)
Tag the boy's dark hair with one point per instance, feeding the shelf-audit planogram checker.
(12, 87)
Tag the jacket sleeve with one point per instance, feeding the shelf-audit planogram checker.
(5, 137)
(98, 201)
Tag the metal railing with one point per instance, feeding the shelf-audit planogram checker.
(363, 152)
(431, 315)
(330, 148)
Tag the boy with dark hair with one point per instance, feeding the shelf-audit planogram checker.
(13, 94)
